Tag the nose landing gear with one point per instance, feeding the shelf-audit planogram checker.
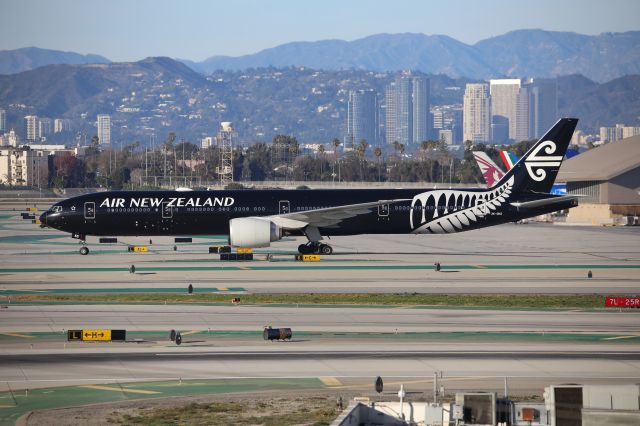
(84, 250)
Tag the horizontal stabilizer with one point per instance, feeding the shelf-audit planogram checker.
(544, 202)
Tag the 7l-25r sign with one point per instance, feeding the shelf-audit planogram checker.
(622, 302)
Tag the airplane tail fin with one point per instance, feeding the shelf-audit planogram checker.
(508, 158)
(536, 171)
(490, 171)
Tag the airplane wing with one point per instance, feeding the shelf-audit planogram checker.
(327, 217)
(544, 202)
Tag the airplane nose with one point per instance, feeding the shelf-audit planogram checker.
(43, 220)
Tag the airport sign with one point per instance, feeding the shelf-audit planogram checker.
(622, 302)
(96, 335)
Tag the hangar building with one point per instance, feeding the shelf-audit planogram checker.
(608, 178)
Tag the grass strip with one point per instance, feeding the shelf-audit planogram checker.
(416, 300)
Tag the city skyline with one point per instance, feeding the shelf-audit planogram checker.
(69, 25)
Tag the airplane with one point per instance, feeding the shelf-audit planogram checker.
(492, 173)
(256, 218)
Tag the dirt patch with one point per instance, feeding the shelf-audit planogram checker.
(269, 408)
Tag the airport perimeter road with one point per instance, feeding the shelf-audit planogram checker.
(533, 258)
(57, 318)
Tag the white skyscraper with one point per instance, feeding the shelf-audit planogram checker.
(510, 110)
(390, 113)
(61, 125)
(32, 129)
(404, 109)
(104, 129)
(477, 113)
(504, 104)
(207, 142)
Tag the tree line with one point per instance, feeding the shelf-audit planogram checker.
(176, 163)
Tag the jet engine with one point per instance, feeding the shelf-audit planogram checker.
(253, 232)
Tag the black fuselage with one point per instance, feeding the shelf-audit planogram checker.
(151, 213)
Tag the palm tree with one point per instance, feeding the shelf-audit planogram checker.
(336, 143)
(468, 145)
(321, 152)
(378, 154)
(361, 150)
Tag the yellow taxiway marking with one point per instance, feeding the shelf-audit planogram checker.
(619, 337)
(222, 289)
(190, 332)
(118, 389)
(26, 336)
(479, 266)
(330, 381)
(6, 406)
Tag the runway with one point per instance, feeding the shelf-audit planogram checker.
(58, 318)
(482, 364)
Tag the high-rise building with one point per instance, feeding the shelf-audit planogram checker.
(620, 131)
(207, 142)
(421, 113)
(407, 102)
(404, 110)
(61, 125)
(543, 106)
(504, 106)
(12, 138)
(46, 126)
(390, 113)
(32, 129)
(104, 129)
(630, 131)
(362, 118)
(438, 119)
(477, 113)
(523, 114)
(3, 121)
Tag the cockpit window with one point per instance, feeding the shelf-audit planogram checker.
(56, 209)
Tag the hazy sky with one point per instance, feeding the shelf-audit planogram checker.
(124, 30)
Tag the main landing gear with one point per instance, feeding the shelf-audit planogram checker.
(315, 248)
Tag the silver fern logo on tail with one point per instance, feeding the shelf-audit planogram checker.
(448, 211)
(538, 161)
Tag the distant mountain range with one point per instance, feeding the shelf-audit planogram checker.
(521, 53)
(534, 53)
(28, 58)
(162, 95)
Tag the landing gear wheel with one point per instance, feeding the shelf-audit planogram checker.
(304, 249)
(84, 250)
(326, 249)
